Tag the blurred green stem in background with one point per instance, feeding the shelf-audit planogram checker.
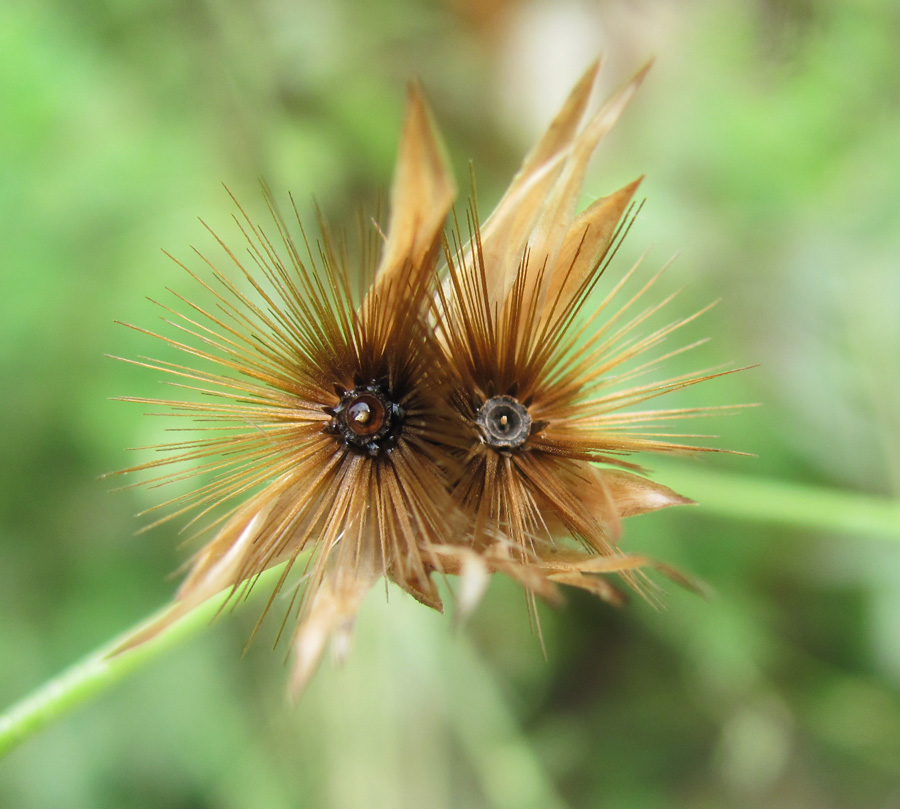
(780, 503)
(733, 496)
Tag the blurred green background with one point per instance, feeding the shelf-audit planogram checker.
(770, 134)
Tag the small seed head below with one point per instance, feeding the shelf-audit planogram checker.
(504, 422)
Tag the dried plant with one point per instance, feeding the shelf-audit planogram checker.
(423, 427)
(322, 413)
(543, 384)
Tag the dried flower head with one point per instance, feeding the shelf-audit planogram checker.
(546, 365)
(423, 427)
(321, 411)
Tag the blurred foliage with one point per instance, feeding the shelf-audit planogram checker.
(768, 131)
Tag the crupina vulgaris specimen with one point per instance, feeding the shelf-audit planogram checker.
(444, 404)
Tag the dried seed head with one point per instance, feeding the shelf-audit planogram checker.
(522, 311)
(302, 458)
(389, 478)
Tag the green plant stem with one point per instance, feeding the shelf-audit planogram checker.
(728, 495)
(778, 503)
(94, 674)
